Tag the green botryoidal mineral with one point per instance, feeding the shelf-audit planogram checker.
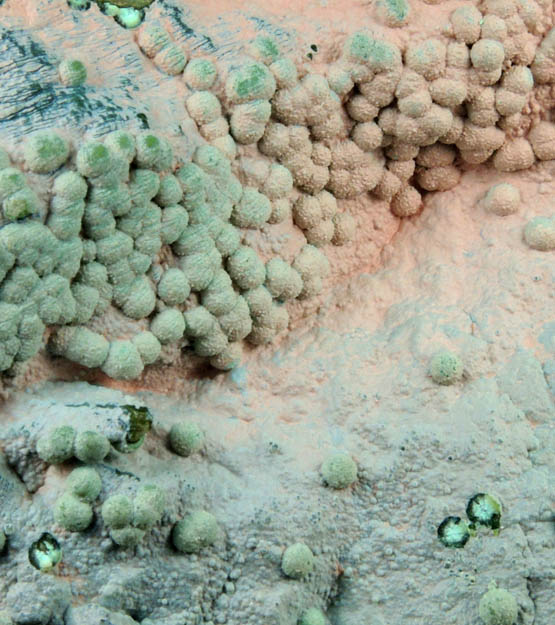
(45, 553)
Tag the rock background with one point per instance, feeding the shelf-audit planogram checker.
(350, 375)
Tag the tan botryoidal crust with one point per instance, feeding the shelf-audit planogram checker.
(542, 139)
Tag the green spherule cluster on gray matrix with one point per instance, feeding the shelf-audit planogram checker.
(186, 438)
(339, 470)
(84, 483)
(195, 532)
(106, 224)
(73, 510)
(72, 513)
(445, 368)
(45, 151)
(91, 447)
(16, 198)
(56, 446)
(129, 520)
(297, 561)
(117, 511)
(498, 606)
(73, 72)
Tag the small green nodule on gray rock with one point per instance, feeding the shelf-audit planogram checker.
(186, 438)
(339, 470)
(196, 531)
(445, 368)
(498, 606)
(297, 561)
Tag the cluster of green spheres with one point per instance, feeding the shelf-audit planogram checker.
(128, 519)
(73, 510)
(63, 443)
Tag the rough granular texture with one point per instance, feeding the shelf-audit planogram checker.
(132, 233)
(222, 190)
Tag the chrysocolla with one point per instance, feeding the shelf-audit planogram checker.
(453, 532)
(484, 510)
(45, 552)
